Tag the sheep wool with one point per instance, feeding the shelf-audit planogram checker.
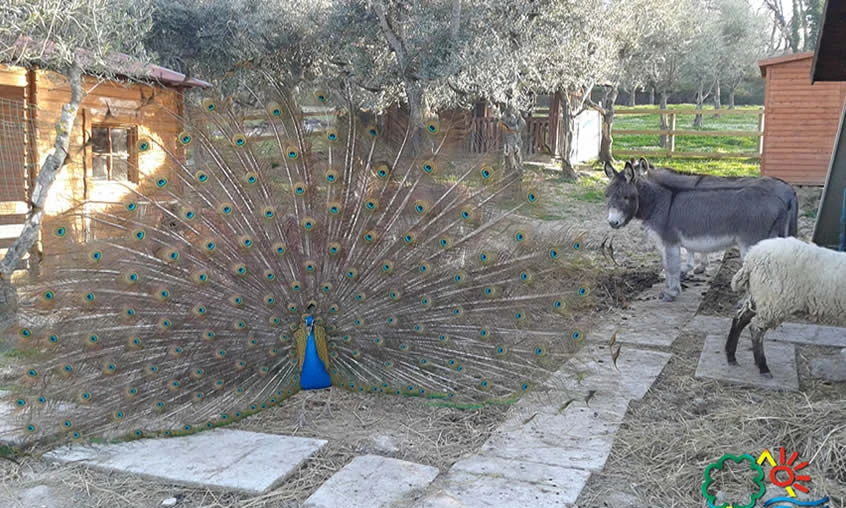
(786, 275)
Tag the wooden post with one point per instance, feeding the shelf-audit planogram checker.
(554, 125)
(672, 135)
(761, 130)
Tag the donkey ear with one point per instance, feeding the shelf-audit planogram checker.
(610, 172)
(629, 173)
(644, 163)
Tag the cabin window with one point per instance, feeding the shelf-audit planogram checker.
(110, 154)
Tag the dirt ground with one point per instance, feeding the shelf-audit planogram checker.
(668, 437)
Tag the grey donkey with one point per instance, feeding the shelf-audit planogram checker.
(698, 212)
(672, 177)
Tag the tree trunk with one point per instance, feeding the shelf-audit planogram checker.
(731, 98)
(717, 104)
(633, 97)
(607, 141)
(512, 146)
(46, 176)
(419, 145)
(697, 120)
(568, 124)
(651, 95)
(664, 140)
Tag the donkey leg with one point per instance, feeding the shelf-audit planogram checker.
(703, 263)
(758, 350)
(738, 323)
(688, 266)
(672, 255)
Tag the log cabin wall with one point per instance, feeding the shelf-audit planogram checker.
(801, 120)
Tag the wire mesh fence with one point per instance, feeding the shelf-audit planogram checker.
(17, 138)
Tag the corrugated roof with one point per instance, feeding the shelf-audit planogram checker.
(763, 64)
(119, 64)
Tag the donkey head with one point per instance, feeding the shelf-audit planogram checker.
(622, 194)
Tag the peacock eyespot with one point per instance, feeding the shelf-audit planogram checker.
(531, 197)
(60, 232)
(131, 206)
(161, 182)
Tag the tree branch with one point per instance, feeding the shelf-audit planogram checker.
(47, 175)
(393, 41)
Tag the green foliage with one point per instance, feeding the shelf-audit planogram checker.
(51, 33)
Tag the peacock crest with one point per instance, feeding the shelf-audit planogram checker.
(266, 257)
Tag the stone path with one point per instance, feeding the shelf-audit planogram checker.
(542, 455)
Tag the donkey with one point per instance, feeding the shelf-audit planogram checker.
(698, 212)
(675, 178)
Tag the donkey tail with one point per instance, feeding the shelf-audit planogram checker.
(740, 279)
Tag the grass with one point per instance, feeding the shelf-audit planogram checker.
(721, 144)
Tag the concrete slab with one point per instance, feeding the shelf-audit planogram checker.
(468, 490)
(592, 369)
(237, 460)
(578, 438)
(371, 481)
(781, 358)
(650, 321)
(830, 369)
(564, 483)
(798, 333)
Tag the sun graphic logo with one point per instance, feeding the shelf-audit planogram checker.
(786, 473)
(790, 478)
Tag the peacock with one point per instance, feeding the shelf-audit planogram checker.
(272, 255)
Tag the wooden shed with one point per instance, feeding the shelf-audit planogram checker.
(143, 101)
(830, 66)
(801, 122)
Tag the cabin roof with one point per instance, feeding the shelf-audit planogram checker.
(830, 56)
(763, 64)
(117, 64)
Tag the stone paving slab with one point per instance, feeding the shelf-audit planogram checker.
(371, 481)
(781, 358)
(798, 333)
(237, 460)
(580, 437)
(650, 321)
(468, 490)
(592, 369)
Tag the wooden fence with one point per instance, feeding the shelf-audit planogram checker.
(485, 135)
(672, 132)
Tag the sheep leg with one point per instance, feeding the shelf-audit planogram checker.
(741, 319)
(758, 350)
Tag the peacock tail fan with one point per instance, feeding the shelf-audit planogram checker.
(263, 239)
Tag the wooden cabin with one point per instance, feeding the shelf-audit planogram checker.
(144, 102)
(802, 120)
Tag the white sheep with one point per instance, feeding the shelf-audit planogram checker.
(784, 276)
